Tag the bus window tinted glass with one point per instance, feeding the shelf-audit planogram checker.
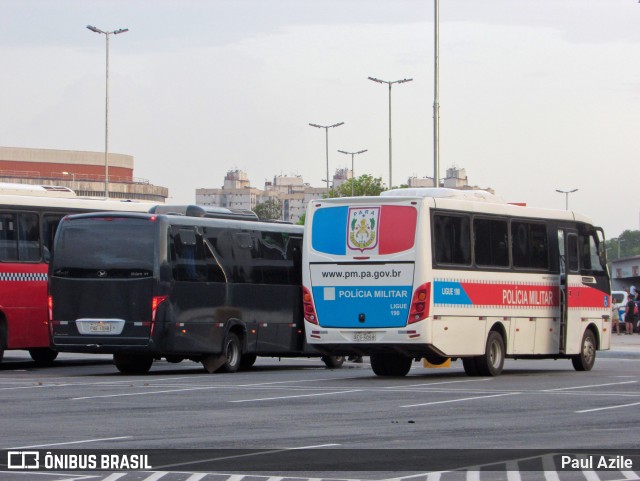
(589, 259)
(28, 238)
(122, 247)
(530, 245)
(451, 239)
(491, 242)
(572, 252)
(49, 226)
(8, 237)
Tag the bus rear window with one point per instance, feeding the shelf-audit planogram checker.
(110, 244)
(375, 230)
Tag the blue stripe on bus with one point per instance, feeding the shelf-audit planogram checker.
(329, 230)
(362, 306)
(447, 292)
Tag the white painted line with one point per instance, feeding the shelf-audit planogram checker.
(143, 393)
(156, 476)
(513, 471)
(549, 467)
(629, 475)
(83, 441)
(586, 387)
(606, 408)
(297, 396)
(114, 476)
(437, 383)
(236, 477)
(196, 477)
(591, 476)
(459, 400)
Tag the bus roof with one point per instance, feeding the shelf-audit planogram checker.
(440, 192)
(7, 188)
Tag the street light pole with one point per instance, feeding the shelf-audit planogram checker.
(73, 178)
(390, 83)
(566, 193)
(352, 154)
(436, 94)
(326, 130)
(106, 109)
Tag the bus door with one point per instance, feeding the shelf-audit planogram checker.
(569, 267)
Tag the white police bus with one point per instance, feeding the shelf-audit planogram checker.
(442, 273)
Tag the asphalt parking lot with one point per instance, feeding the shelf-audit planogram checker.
(282, 405)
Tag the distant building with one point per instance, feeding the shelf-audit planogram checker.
(83, 172)
(295, 195)
(455, 179)
(625, 272)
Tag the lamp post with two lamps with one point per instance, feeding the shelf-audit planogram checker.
(353, 177)
(106, 110)
(390, 83)
(566, 193)
(326, 129)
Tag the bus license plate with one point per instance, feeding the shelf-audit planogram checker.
(364, 337)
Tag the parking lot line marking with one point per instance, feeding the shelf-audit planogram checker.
(144, 393)
(607, 407)
(629, 474)
(114, 476)
(436, 383)
(83, 441)
(586, 387)
(459, 400)
(291, 397)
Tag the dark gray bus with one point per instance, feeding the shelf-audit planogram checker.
(151, 286)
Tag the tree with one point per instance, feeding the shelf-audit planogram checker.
(269, 210)
(627, 244)
(301, 219)
(363, 185)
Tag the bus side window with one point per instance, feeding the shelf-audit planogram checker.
(189, 263)
(451, 239)
(28, 237)
(530, 246)
(491, 246)
(8, 237)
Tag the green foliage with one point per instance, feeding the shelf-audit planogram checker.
(269, 210)
(301, 219)
(627, 244)
(363, 185)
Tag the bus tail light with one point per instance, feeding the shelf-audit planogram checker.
(309, 309)
(155, 303)
(50, 310)
(420, 303)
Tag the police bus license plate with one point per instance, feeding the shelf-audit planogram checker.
(364, 336)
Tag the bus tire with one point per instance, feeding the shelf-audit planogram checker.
(128, 363)
(587, 357)
(391, 364)
(333, 362)
(232, 354)
(3, 337)
(492, 362)
(43, 356)
(247, 361)
(469, 364)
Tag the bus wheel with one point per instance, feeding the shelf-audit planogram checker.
(469, 364)
(587, 357)
(247, 360)
(492, 362)
(132, 363)
(43, 356)
(390, 364)
(232, 354)
(333, 362)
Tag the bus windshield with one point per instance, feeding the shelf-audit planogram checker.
(123, 246)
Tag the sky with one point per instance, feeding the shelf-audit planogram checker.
(535, 95)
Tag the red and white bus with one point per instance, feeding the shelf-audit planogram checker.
(29, 217)
(440, 273)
